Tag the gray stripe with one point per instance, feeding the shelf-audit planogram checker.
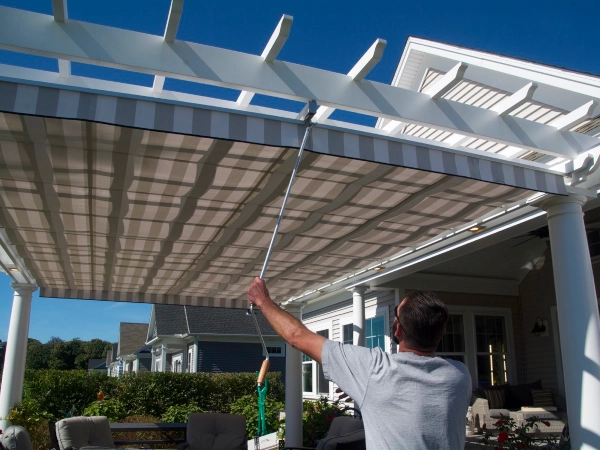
(540, 181)
(272, 132)
(47, 102)
(474, 167)
(335, 143)
(365, 145)
(87, 106)
(520, 176)
(125, 114)
(8, 95)
(449, 163)
(423, 160)
(201, 122)
(163, 118)
(396, 155)
(238, 127)
(497, 173)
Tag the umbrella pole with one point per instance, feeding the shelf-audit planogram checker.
(311, 110)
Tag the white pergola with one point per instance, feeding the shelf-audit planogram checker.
(112, 191)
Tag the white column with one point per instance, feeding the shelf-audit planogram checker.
(184, 359)
(11, 391)
(293, 386)
(163, 357)
(578, 318)
(358, 310)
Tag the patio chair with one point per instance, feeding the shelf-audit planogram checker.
(74, 433)
(215, 431)
(345, 433)
(15, 437)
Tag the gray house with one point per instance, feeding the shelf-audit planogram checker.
(203, 339)
(129, 355)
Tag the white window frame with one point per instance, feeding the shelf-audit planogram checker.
(370, 313)
(280, 346)
(469, 313)
(190, 351)
(316, 327)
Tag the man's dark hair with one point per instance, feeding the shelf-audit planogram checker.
(423, 318)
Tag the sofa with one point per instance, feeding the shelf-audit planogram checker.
(519, 402)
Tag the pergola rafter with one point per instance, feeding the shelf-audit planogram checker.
(92, 44)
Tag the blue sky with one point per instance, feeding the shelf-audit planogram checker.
(330, 35)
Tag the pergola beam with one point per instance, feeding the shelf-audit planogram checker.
(514, 101)
(272, 49)
(575, 117)
(447, 82)
(173, 20)
(144, 53)
(357, 73)
(59, 10)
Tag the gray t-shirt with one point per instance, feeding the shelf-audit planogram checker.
(407, 401)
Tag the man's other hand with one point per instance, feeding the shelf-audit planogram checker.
(257, 292)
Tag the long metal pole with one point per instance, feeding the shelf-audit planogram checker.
(270, 250)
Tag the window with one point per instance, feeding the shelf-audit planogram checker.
(375, 334)
(490, 335)
(452, 345)
(312, 374)
(275, 350)
(348, 331)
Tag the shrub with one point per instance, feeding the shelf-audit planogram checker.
(247, 405)
(64, 392)
(29, 415)
(180, 413)
(317, 418)
(111, 408)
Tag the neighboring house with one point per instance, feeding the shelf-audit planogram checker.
(202, 339)
(96, 365)
(112, 364)
(132, 338)
(130, 353)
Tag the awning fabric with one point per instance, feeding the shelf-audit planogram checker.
(122, 199)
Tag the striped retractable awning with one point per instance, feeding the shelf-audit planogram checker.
(123, 199)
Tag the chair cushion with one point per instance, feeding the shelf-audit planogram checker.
(16, 437)
(495, 398)
(80, 432)
(215, 431)
(498, 413)
(354, 440)
(542, 397)
(344, 425)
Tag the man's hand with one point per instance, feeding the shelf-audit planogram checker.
(258, 292)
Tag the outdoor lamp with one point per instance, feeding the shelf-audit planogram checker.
(539, 327)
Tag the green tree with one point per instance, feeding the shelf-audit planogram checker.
(38, 354)
(64, 354)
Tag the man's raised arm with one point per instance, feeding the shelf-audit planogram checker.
(285, 325)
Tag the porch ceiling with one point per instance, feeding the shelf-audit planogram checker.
(112, 212)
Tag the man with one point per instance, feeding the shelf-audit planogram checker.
(408, 400)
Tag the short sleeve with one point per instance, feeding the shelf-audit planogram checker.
(349, 366)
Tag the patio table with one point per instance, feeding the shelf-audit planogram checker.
(163, 428)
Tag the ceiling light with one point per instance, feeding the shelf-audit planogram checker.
(319, 291)
(13, 269)
(378, 268)
(477, 228)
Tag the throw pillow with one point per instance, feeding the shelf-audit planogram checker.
(542, 397)
(520, 395)
(495, 398)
